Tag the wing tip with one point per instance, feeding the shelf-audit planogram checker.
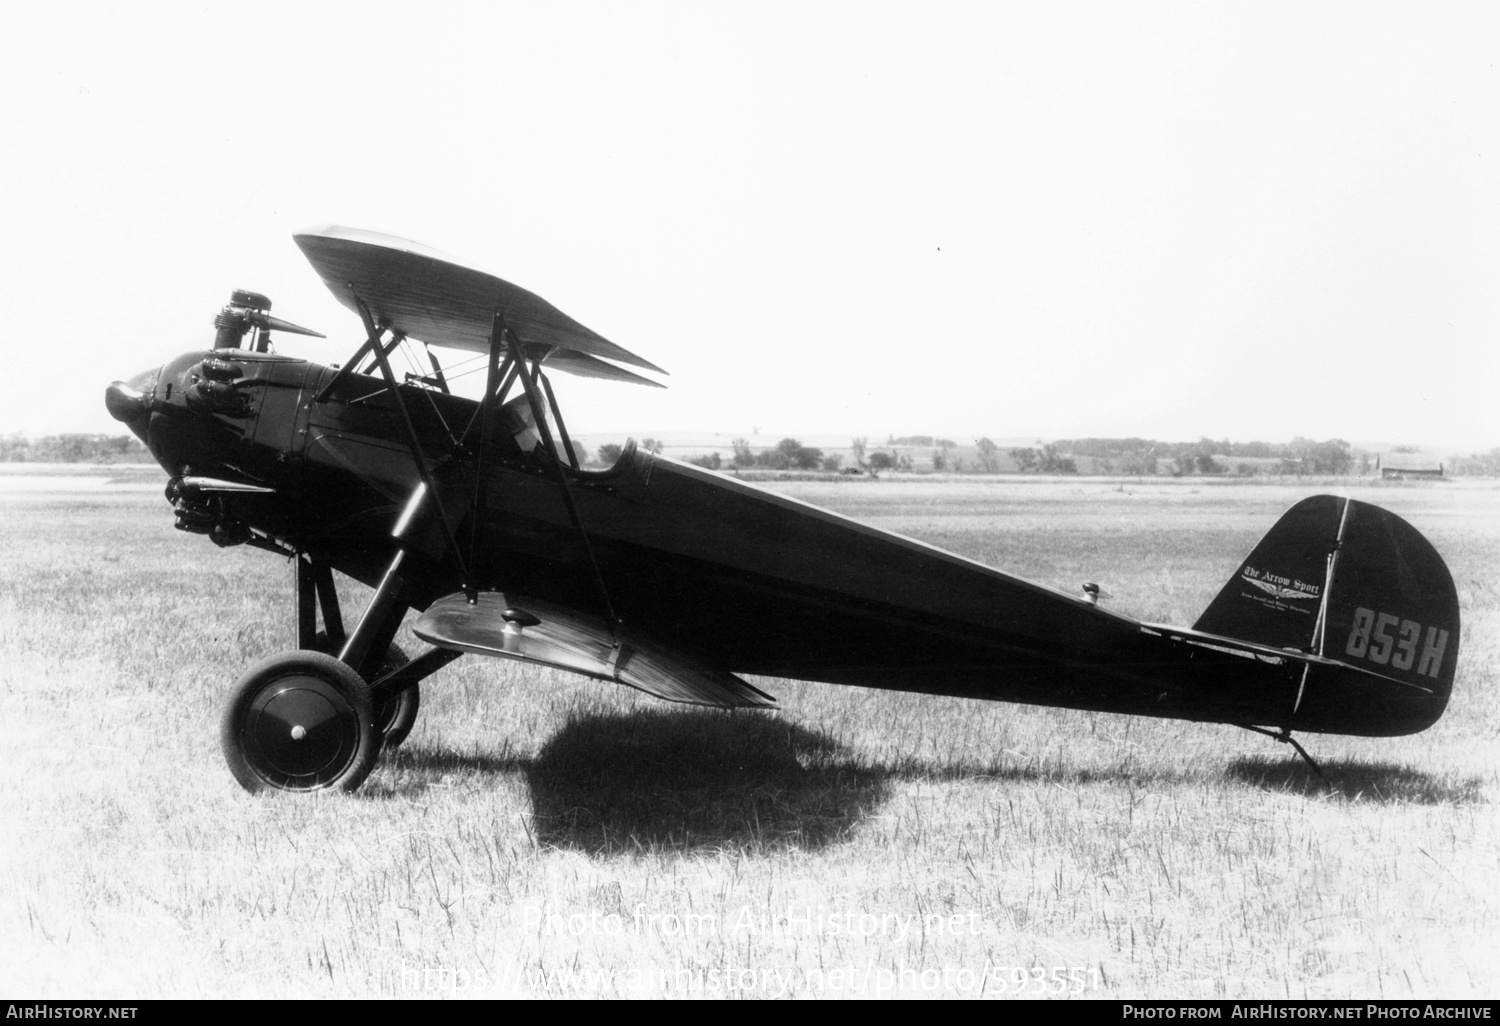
(331, 232)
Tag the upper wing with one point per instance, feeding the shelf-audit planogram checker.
(432, 298)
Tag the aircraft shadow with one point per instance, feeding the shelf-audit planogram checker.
(651, 778)
(698, 780)
(1383, 782)
(647, 780)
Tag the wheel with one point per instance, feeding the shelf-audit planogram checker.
(300, 721)
(395, 715)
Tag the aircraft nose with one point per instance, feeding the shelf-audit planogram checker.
(129, 402)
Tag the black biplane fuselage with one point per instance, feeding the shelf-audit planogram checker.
(674, 579)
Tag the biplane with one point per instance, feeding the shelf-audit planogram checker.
(479, 516)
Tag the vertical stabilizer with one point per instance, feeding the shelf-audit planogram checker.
(1276, 595)
(1350, 582)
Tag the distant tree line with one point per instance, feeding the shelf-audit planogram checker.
(1046, 460)
(923, 441)
(1144, 456)
(1484, 464)
(788, 454)
(73, 449)
(1137, 457)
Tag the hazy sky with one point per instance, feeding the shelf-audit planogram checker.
(1256, 220)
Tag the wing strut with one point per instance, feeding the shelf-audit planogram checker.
(373, 333)
(562, 428)
(534, 396)
(372, 339)
(437, 369)
(497, 378)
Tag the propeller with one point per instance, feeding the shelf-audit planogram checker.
(248, 310)
(268, 323)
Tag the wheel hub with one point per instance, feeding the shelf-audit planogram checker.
(302, 729)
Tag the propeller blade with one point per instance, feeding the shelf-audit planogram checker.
(269, 323)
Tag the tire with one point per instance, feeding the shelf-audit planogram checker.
(300, 721)
(396, 715)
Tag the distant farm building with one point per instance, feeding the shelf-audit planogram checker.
(1402, 465)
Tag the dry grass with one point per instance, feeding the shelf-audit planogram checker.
(1159, 858)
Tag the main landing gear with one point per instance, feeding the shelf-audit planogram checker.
(316, 719)
(303, 721)
(396, 714)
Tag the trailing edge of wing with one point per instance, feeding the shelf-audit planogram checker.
(574, 641)
(435, 299)
(585, 366)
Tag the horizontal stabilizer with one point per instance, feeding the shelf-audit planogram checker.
(1250, 650)
(541, 632)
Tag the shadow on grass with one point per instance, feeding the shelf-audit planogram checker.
(648, 780)
(1357, 781)
(651, 779)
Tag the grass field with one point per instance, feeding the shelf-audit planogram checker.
(539, 834)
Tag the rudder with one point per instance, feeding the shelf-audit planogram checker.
(1347, 581)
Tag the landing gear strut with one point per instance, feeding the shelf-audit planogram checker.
(316, 718)
(395, 713)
